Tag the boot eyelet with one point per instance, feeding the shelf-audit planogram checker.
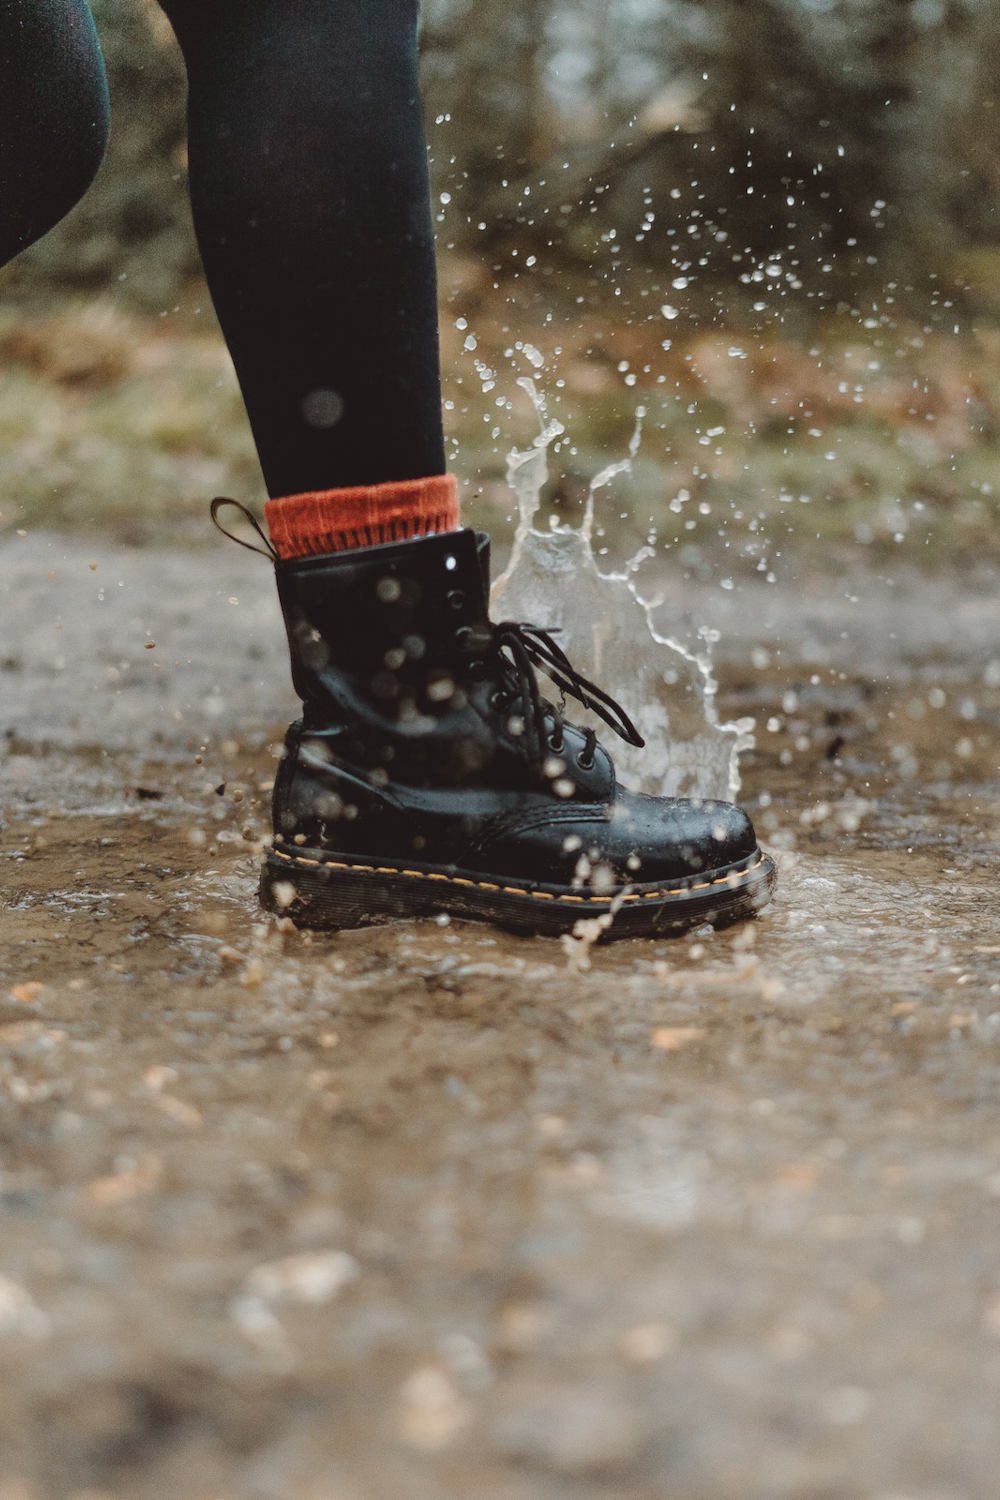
(463, 637)
(585, 763)
(499, 702)
(555, 743)
(456, 599)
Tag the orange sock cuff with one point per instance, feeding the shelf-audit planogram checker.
(365, 515)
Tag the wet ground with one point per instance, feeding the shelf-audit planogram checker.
(430, 1211)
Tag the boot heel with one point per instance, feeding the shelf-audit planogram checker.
(328, 897)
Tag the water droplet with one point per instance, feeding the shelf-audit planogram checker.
(322, 408)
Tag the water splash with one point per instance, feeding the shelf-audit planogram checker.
(606, 629)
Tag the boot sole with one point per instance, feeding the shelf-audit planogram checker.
(323, 891)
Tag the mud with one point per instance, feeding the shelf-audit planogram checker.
(430, 1211)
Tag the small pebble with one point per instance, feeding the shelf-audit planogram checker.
(432, 1410)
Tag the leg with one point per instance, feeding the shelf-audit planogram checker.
(427, 774)
(311, 205)
(53, 115)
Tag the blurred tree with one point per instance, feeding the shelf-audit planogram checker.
(812, 148)
(806, 147)
(133, 229)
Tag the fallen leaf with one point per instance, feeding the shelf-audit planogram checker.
(176, 1109)
(20, 1031)
(24, 994)
(315, 1276)
(122, 1187)
(673, 1038)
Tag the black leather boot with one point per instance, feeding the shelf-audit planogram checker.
(427, 774)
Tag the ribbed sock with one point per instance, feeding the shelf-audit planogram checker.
(321, 521)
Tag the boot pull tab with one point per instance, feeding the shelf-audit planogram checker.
(266, 551)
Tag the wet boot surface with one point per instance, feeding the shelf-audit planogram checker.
(433, 1211)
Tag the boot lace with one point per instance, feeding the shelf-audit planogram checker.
(520, 651)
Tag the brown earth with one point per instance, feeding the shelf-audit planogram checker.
(431, 1211)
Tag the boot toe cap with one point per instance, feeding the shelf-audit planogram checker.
(677, 837)
(637, 840)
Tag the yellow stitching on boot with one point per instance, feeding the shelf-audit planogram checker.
(734, 879)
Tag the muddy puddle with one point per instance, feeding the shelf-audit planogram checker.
(431, 1211)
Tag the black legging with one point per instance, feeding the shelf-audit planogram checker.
(309, 192)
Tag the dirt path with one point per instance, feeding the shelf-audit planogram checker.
(432, 1212)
